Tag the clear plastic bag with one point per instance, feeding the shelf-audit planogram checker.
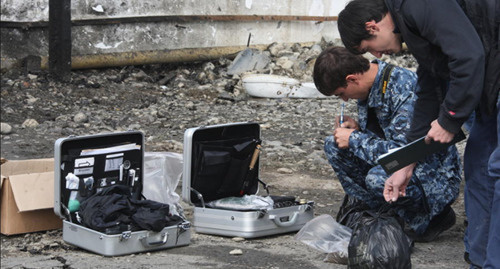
(246, 202)
(162, 173)
(325, 234)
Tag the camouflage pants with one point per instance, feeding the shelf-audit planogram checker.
(439, 175)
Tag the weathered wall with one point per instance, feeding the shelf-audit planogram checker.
(146, 36)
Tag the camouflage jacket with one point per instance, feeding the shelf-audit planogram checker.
(393, 109)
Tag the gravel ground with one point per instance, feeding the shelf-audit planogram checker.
(163, 101)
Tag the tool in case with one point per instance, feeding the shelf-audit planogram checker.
(98, 194)
(221, 180)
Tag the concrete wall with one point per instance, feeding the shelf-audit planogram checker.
(147, 36)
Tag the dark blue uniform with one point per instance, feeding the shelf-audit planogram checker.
(357, 169)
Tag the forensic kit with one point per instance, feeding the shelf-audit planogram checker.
(98, 194)
(221, 179)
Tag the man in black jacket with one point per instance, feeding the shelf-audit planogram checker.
(456, 44)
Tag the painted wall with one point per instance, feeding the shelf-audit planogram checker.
(17, 43)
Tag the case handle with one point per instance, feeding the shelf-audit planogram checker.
(278, 220)
(145, 240)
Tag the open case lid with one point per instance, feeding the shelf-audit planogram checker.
(86, 150)
(202, 179)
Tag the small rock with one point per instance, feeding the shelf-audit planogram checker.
(30, 123)
(208, 66)
(140, 75)
(213, 121)
(31, 100)
(285, 63)
(236, 252)
(80, 118)
(238, 239)
(134, 126)
(285, 170)
(265, 126)
(190, 105)
(5, 128)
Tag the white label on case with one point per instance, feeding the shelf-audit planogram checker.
(84, 162)
(113, 164)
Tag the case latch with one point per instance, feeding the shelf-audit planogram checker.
(185, 226)
(125, 235)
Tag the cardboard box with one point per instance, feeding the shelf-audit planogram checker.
(27, 202)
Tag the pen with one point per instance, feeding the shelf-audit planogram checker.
(342, 113)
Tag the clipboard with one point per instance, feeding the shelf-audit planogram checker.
(400, 157)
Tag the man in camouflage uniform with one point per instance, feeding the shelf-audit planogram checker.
(386, 96)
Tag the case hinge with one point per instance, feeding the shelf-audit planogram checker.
(200, 196)
(266, 187)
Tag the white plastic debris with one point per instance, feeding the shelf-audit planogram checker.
(98, 8)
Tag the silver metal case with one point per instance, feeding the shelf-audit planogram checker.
(247, 224)
(126, 242)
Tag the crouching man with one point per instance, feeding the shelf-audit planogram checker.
(386, 96)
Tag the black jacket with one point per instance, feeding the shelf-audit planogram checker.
(451, 58)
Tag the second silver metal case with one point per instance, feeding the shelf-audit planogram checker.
(247, 224)
(126, 242)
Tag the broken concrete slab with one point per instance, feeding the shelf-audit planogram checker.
(248, 60)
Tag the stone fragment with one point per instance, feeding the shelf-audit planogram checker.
(236, 252)
(30, 123)
(5, 128)
(80, 118)
(285, 170)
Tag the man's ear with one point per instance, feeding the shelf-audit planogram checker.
(371, 27)
(352, 78)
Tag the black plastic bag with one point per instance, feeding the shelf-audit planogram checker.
(350, 211)
(378, 241)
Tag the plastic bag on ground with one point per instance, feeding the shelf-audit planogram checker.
(162, 173)
(379, 241)
(323, 233)
(350, 211)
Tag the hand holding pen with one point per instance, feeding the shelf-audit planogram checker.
(346, 125)
(346, 120)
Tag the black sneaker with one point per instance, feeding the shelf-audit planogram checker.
(440, 223)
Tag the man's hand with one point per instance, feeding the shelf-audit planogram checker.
(341, 134)
(438, 134)
(348, 123)
(395, 185)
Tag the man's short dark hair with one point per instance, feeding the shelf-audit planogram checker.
(351, 21)
(332, 67)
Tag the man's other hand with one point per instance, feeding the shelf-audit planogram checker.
(395, 185)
